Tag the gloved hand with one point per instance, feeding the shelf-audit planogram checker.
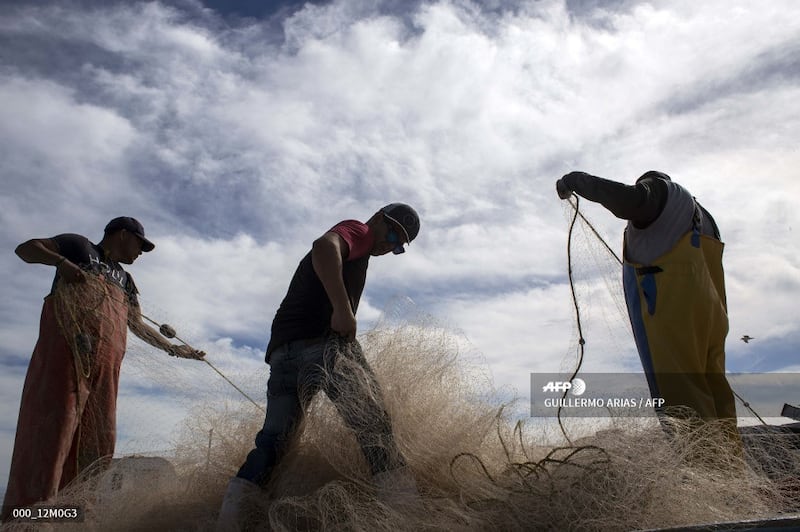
(574, 179)
(562, 189)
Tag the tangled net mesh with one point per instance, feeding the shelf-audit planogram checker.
(82, 317)
(475, 466)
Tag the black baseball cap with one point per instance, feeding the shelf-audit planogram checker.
(404, 216)
(131, 225)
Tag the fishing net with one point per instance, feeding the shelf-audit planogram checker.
(476, 466)
(596, 280)
(81, 311)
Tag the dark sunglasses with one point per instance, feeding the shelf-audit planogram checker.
(393, 238)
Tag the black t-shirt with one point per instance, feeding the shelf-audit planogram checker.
(306, 310)
(91, 257)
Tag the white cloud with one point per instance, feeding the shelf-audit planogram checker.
(58, 153)
(228, 286)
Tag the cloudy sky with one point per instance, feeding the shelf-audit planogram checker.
(238, 132)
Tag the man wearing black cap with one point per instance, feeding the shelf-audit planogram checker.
(67, 418)
(314, 327)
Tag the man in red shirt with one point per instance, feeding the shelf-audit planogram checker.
(314, 327)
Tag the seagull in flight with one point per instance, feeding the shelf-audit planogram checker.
(746, 338)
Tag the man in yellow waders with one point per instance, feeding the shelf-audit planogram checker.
(675, 291)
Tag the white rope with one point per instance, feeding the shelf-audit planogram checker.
(169, 332)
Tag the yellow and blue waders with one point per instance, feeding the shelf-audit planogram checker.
(678, 312)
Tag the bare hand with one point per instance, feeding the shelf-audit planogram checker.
(70, 272)
(344, 323)
(185, 351)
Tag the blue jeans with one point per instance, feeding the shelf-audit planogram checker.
(298, 370)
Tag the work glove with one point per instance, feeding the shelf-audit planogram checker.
(575, 178)
(562, 189)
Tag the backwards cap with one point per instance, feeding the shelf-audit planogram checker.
(404, 216)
